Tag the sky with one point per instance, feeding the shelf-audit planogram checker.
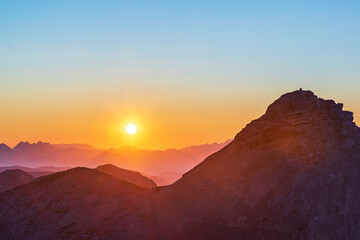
(185, 72)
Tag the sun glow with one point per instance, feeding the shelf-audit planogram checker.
(131, 128)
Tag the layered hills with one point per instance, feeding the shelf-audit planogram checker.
(151, 162)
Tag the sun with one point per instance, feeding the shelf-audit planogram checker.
(131, 128)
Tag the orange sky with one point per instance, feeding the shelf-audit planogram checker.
(185, 72)
(164, 121)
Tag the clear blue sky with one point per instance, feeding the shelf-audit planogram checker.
(175, 53)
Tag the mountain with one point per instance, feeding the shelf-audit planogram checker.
(75, 204)
(25, 169)
(147, 161)
(291, 174)
(4, 148)
(45, 154)
(165, 178)
(155, 162)
(38, 169)
(39, 147)
(13, 178)
(126, 175)
(48, 169)
(36, 172)
(204, 150)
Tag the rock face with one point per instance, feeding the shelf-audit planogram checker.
(13, 178)
(127, 175)
(291, 174)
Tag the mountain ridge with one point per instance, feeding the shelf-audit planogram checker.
(152, 162)
(127, 175)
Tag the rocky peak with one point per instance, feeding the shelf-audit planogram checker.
(4, 148)
(25, 146)
(22, 145)
(301, 101)
(303, 117)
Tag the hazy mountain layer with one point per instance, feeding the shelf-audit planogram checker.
(73, 155)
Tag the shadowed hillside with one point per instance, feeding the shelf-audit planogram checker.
(13, 178)
(126, 175)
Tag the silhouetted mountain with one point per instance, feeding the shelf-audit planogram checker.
(38, 169)
(36, 172)
(35, 147)
(4, 148)
(25, 169)
(155, 162)
(13, 178)
(49, 169)
(166, 178)
(60, 155)
(291, 174)
(126, 175)
(75, 204)
(204, 150)
(40, 174)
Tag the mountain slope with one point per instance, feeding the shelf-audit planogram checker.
(291, 174)
(75, 204)
(127, 175)
(13, 178)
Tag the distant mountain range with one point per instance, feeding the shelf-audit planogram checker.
(152, 162)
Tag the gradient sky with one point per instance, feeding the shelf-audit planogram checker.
(186, 72)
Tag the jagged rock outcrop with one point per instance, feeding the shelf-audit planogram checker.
(291, 174)
(13, 178)
(127, 175)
